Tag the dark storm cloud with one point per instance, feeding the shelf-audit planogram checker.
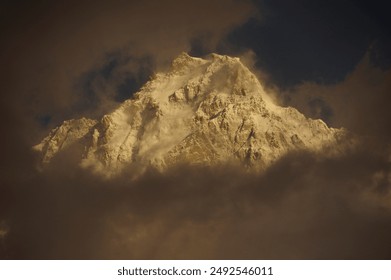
(319, 41)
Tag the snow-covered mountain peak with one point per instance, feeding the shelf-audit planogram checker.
(185, 62)
(223, 58)
(202, 111)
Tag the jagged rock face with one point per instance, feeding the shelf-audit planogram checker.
(202, 111)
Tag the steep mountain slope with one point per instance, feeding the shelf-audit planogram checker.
(202, 111)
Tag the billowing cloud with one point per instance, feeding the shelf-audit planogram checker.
(359, 103)
(302, 207)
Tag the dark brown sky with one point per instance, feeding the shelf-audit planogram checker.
(330, 60)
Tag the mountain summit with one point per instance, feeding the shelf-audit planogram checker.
(202, 111)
